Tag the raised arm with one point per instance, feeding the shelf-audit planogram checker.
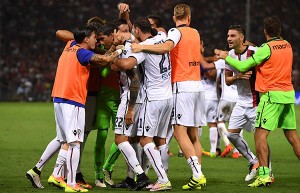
(125, 63)
(124, 13)
(64, 35)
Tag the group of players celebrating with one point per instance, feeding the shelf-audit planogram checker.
(155, 85)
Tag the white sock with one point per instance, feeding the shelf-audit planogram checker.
(213, 136)
(72, 163)
(155, 160)
(142, 157)
(163, 150)
(59, 167)
(50, 150)
(195, 166)
(130, 172)
(130, 157)
(199, 132)
(223, 132)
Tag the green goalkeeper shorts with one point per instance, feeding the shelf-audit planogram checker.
(270, 116)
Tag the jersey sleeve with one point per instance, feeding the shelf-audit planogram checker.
(220, 64)
(140, 56)
(174, 35)
(262, 54)
(84, 56)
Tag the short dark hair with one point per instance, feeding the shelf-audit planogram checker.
(157, 20)
(96, 19)
(121, 21)
(240, 29)
(143, 24)
(82, 32)
(108, 29)
(97, 26)
(272, 26)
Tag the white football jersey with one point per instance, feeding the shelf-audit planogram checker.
(228, 93)
(157, 71)
(247, 96)
(210, 87)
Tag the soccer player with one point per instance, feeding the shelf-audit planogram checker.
(243, 114)
(69, 98)
(57, 178)
(276, 108)
(157, 103)
(184, 44)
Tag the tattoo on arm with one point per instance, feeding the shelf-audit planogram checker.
(134, 85)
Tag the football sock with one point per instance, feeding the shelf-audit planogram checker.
(195, 166)
(155, 160)
(163, 150)
(50, 150)
(60, 163)
(112, 157)
(213, 136)
(72, 162)
(99, 152)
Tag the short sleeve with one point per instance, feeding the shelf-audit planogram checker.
(174, 35)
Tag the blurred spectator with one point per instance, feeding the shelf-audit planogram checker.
(29, 49)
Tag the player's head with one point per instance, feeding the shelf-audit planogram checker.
(235, 36)
(97, 20)
(122, 25)
(272, 26)
(182, 12)
(142, 26)
(155, 21)
(107, 35)
(85, 35)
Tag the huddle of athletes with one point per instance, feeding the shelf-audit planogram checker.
(165, 77)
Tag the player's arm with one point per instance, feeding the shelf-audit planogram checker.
(263, 53)
(211, 74)
(64, 35)
(230, 78)
(124, 13)
(134, 89)
(125, 63)
(105, 59)
(156, 49)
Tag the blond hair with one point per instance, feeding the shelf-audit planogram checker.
(182, 11)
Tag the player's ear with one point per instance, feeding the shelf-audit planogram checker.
(174, 19)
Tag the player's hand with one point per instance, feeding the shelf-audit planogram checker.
(136, 47)
(129, 117)
(245, 75)
(223, 55)
(123, 7)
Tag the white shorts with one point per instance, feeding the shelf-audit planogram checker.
(211, 109)
(154, 118)
(189, 109)
(120, 126)
(243, 118)
(90, 112)
(225, 110)
(69, 122)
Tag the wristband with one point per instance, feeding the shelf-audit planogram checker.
(119, 51)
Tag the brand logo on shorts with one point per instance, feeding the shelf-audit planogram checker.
(75, 132)
(179, 116)
(147, 128)
(264, 120)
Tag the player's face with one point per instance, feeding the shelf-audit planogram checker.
(234, 39)
(153, 24)
(135, 32)
(91, 41)
(106, 40)
(124, 28)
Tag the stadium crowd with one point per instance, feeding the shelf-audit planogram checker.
(29, 49)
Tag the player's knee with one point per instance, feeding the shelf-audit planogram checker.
(232, 136)
(75, 144)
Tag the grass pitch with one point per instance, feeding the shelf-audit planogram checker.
(27, 128)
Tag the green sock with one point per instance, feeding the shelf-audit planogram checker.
(100, 153)
(112, 157)
(264, 171)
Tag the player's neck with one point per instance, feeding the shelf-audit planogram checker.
(145, 36)
(240, 49)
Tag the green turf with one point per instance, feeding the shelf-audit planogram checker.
(26, 129)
